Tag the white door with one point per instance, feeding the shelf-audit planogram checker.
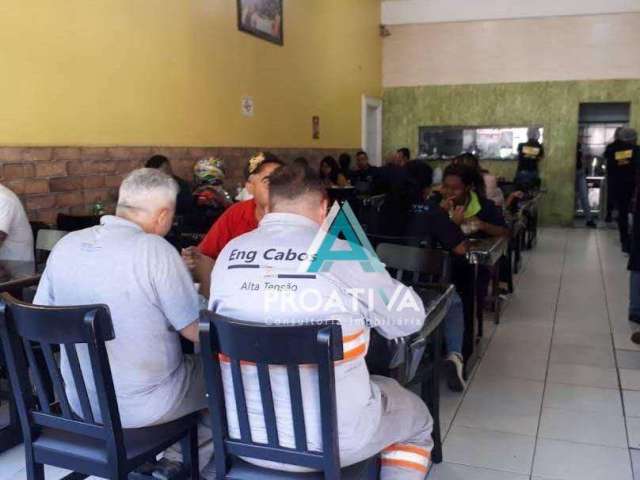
(372, 129)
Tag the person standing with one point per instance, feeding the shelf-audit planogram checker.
(530, 154)
(581, 188)
(610, 201)
(622, 156)
(16, 236)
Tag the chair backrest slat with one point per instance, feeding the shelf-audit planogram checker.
(328, 408)
(56, 377)
(264, 379)
(415, 264)
(297, 410)
(78, 380)
(265, 346)
(73, 426)
(41, 391)
(241, 401)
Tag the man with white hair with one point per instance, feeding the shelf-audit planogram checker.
(126, 264)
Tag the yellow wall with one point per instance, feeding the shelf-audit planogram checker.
(172, 72)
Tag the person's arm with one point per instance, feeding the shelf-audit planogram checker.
(492, 230)
(449, 234)
(191, 332)
(7, 213)
(172, 285)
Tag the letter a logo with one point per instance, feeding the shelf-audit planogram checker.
(354, 245)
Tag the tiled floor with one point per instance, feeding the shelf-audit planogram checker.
(545, 402)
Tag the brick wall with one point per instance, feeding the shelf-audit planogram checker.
(52, 180)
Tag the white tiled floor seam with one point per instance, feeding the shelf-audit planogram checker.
(613, 345)
(546, 377)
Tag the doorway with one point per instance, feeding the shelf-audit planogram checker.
(597, 125)
(372, 129)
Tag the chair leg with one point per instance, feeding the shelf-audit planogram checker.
(190, 458)
(431, 395)
(35, 471)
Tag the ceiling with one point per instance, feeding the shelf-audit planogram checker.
(397, 12)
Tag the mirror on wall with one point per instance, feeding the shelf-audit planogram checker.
(488, 143)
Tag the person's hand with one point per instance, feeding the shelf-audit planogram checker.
(447, 204)
(457, 215)
(191, 257)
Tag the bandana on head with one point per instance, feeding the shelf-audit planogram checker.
(255, 162)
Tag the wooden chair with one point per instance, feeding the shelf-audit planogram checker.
(53, 433)
(71, 223)
(417, 266)
(264, 345)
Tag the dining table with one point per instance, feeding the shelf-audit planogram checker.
(482, 252)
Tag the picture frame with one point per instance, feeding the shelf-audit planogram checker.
(263, 19)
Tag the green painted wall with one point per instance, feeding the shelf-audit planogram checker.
(554, 105)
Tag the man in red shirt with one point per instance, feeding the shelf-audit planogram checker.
(240, 218)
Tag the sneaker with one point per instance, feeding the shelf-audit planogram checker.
(591, 224)
(635, 338)
(454, 370)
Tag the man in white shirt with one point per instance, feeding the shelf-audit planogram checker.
(126, 264)
(257, 278)
(16, 237)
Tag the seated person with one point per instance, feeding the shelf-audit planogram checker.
(126, 264)
(16, 236)
(430, 223)
(364, 176)
(331, 174)
(242, 217)
(344, 161)
(478, 216)
(485, 184)
(184, 203)
(375, 414)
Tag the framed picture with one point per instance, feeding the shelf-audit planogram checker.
(261, 18)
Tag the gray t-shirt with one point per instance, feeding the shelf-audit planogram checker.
(143, 280)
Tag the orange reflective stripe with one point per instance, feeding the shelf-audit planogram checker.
(349, 338)
(407, 448)
(225, 359)
(354, 353)
(404, 464)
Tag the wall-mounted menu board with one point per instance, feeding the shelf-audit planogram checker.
(488, 143)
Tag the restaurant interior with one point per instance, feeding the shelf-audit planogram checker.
(320, 239)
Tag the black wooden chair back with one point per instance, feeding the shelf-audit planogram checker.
(26, 330)
(415, 265)
(72, 223)
(263, 345)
